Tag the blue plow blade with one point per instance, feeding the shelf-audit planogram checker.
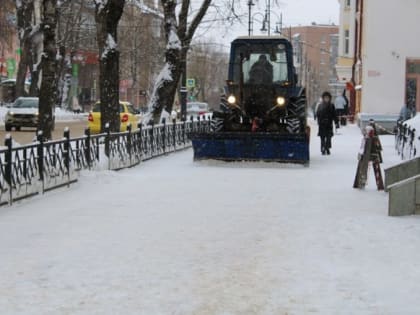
(251, 146)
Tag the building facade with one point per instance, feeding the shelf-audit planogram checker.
(390, 57)
(314, 52)
(347, 40)
(382, 66)
(9, 52)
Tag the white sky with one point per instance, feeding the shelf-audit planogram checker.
(295, 12)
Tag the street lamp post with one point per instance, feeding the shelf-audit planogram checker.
(263, 28)
(183, 91)
(266, 19)
(250, 5)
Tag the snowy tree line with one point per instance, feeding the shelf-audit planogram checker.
(50, 31)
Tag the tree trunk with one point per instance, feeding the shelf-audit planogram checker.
(25, 61)
(37, 50)
(47, 95)
(167, 82)
(178, 38)
(107, 17)
(24, 13)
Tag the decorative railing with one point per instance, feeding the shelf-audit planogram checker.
(42, 166)
(405, 141)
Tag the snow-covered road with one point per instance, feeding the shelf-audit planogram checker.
(177, 237)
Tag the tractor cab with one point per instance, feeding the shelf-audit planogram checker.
(263, 113)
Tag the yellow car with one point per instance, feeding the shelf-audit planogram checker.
(128, 115)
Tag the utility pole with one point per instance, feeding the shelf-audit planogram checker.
(269, 16)
(281, 23)
(184, 91)
(250, 4)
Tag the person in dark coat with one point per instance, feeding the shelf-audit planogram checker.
(261, 71)
(326, 116)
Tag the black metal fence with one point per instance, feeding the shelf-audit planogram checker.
(36, 168)
(405, 141)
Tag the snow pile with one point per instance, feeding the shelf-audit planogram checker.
(60, 115)
(173, 41)
(100, 4)
(147, 9)
(165, 75)
(110, 45)
(64, 115)
(3, 113)
(149, 116)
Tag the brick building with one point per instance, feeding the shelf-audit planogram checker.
(315, 54)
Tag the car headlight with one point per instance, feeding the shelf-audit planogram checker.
(10, 113)
(231, 99)
(281, 101)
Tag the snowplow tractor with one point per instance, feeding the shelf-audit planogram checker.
(263, 114)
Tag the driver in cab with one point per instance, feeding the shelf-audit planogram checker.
(261, 71)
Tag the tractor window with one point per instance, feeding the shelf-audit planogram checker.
(266, 65)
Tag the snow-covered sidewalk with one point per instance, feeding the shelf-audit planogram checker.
(177, 237)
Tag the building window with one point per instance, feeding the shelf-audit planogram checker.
(413, 67)
(348, 3)
(346, 42)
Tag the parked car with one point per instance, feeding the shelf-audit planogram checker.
(128, 115)
(8, 90)
(197, 109)
(23, 113)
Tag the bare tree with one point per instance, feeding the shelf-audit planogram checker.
(179, 32)
(24, 12)
(7, 26)
(108, 14)
(208, 64)
(69, 34)
(47, 95)
(141, 48)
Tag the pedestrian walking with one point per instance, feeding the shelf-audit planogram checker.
(326, 116)
(341, 104)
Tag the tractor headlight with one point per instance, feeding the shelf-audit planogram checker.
(231, 99)
(281, 101)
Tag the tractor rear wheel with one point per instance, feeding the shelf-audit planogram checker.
(297, 110)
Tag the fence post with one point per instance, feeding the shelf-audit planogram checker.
(67, 153)
(164, 135)
(87, 148)
(25, 165)
(183, 132)
(8, 168)
(140, 140)
(152, 145)
(192, 123)
(174, 132)
(108, 144)
(129, 143)
(40, 149)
